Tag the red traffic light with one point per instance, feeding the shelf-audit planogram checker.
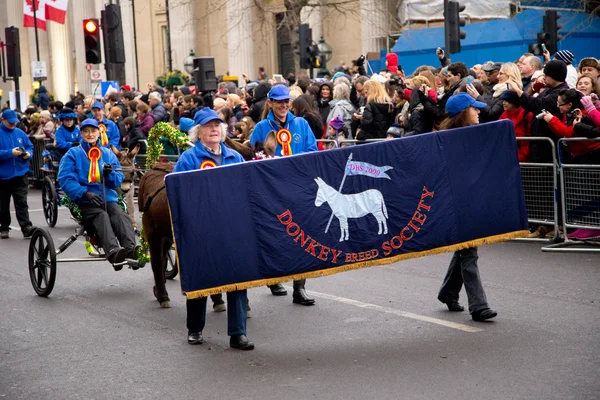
(90, 26)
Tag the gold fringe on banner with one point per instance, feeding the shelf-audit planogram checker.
(348, 267)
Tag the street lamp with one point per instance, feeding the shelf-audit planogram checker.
(188, 63)
(325, 55)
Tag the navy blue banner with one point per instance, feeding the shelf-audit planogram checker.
(314, 214)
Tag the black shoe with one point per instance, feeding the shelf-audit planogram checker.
(4, 234)
(278, 290)
(240, 342)
(219, 306)
(482, 315)
(300, 297)
(117, 256)
(453, 305)
(132, 253)
(27, 232)
(195, 338)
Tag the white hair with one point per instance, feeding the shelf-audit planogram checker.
(155, 96)
(194, 133)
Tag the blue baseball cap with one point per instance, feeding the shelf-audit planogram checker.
(185, 124)
(97, 104)
(10, 116)
(89, 122)
(206, 115)
(460, 101)
(279, 92)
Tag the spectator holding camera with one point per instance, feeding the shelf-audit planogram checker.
(15, 151)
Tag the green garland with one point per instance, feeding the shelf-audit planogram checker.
(74, 208)
(155, 149)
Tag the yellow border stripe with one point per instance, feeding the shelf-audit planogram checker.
(348, 267)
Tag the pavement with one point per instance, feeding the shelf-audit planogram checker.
(375, 333)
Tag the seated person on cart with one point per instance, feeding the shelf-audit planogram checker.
(67, 135)
(81, 174)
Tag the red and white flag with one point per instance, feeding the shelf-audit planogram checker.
(56, 10)
(40, 13)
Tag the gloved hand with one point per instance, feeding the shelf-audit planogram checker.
(93, 198)
(107, 169)
(74, 144)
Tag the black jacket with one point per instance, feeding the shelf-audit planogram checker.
(259, 101)
(377, 119)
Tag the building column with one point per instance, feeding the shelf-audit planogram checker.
(240, 39)
(312, 16)
(374, 22)
(44, 53)
(80, 10)
(183, 31)
(60, 60)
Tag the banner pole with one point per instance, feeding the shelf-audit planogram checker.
(339, 190)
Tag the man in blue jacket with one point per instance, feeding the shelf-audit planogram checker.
(83, 169)
(15, 150)
(109, 132)
(293, 136)
(209, 152)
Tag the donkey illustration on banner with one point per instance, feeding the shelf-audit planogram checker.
(357, 205)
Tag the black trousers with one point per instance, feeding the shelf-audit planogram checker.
(17, 188)
(111, 227)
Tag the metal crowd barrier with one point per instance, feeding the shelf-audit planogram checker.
(580, 197)
(352, 142)
(540, 186)
(36, 162)
(331, 143)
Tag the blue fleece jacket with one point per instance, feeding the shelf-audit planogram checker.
(303, 139)
(65, 139)
(73, 174)
(112, 131)
(192, 159)
(11, 166)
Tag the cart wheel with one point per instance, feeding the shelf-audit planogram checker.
(172, 270)
(42, 262)
(50, 202)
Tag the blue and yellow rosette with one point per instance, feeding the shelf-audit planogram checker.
(208, 164)
(103, 135)
(284, 138)
(94, 154)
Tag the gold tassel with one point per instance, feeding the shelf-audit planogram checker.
(348, 267)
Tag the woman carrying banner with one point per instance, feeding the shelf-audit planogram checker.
(463, 110)
(294, 136)
(210, 152)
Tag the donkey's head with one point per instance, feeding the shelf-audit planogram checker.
(321, 197)
(125, 158)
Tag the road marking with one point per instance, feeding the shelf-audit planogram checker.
(36, 210)
(400, 313)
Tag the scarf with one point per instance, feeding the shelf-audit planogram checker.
(499, 88)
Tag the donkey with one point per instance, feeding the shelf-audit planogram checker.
(357, 205)
(126, 190)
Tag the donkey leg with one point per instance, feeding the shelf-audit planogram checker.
(131, 207)
(158, 260)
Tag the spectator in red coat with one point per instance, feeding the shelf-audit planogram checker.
(520, 118)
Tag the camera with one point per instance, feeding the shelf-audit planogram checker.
(22, 149)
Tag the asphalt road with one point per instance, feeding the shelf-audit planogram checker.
(377, 333)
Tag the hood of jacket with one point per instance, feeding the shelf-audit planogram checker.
(261, 91)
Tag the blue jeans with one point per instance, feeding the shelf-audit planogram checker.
(237, 303)
(463, 269)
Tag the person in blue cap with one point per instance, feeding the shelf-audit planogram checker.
(109, 132)
(463, 110)
(15, 151)
(89, 175)
(210, 152)
(67, 135)
(293, 136)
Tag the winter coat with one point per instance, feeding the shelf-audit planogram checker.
(323, 105)
(377, 119)
(559, 127)
(65, 139)
(146, 123)
(522, 123)
(112, 131)
(302, 141)
(132, 137)
(43, 100)
(11, 166)
(541, 151)
(74, 169)
(344, 109)
(192, 158)
(159, 113)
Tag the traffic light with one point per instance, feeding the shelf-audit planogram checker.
(314, 56)
(91, 34)
(452, 24)
(13, 52)
(304, 46)
(551, 27)
(114, 48)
